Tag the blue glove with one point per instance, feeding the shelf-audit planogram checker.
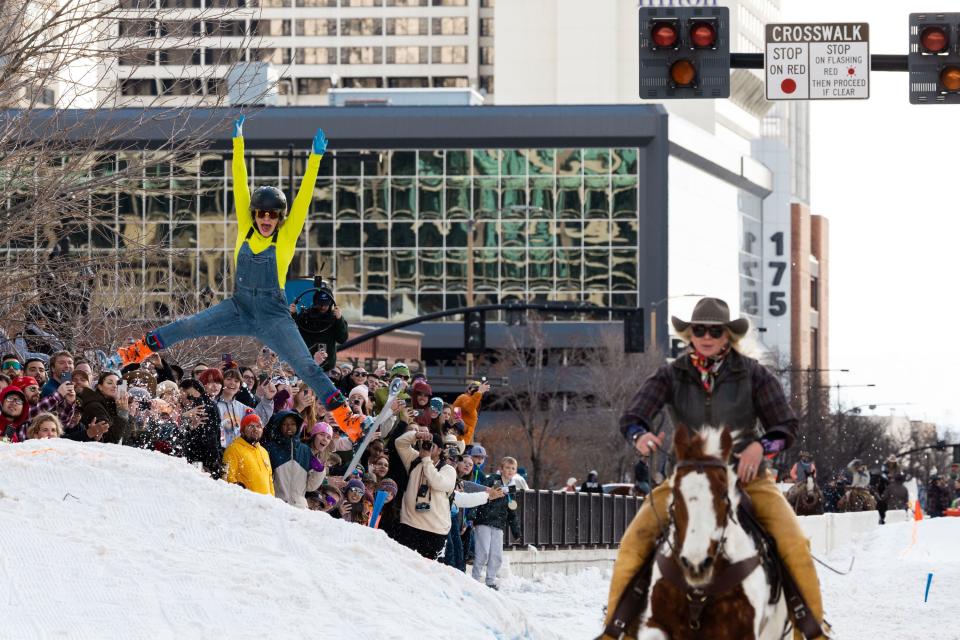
(238, 127)
(319, 143)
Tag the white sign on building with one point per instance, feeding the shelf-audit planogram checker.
(818, 61)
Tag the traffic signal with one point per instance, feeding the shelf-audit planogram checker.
(934, 58)
(474, 332)
(684, 52)
(633, 332)
(956, 454)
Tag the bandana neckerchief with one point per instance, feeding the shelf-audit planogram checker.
(708, 367)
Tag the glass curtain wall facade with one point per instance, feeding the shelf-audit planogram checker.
(397, 230)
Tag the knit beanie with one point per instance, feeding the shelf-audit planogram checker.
(360, 390)
(389, 486)
(250, 418)
(355, 484)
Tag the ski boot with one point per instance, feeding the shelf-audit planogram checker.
(139, 350)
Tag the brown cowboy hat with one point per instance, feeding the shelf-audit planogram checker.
(712, 311)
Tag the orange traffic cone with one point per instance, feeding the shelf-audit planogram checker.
(917, 511)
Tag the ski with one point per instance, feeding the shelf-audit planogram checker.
(397, 386)
(378, 503)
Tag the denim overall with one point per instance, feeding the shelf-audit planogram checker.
(259, 309)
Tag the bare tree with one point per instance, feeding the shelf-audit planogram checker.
(536, 395)
(60, 168)
(608, 381)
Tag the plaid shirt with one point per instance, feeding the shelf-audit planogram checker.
(64, 409)
(769, 402)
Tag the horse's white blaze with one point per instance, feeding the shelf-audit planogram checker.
(702, 519)
(711, 441)
(809, 484)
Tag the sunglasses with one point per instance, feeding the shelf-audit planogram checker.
(266, 213)
(12, 365)
(361, 374)
(715, 330)
(355, 490)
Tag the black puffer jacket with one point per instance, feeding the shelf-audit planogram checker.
(495, 513)
(96, 406)
(201, 442)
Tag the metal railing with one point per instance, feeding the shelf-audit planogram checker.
(567, 520)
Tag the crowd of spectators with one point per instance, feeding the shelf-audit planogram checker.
(260, 428)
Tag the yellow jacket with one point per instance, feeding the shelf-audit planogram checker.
(469, 404)
(292, 226)
(249, 466)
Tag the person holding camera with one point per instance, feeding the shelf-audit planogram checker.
(469, 405)
(491, 519)
(322, 326)
(425, 510)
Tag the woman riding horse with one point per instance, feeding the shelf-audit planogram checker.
(714, 384)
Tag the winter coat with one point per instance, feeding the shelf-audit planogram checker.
(496, 513)
(895, 496)
(466, 498)
(860, 480)
(96, 406)
(746, 398)
(333, 332)
(248, 465)
(469, 404)
(937, 498)
(380, 398)
(14, 429)
(800, 470)
(291, 459)
(440, 484)
(591, 484)
(201, 443)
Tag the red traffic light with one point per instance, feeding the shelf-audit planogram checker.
(664, 35)
(683, 73)
(703, 35)
(950, 78)
(934, 40)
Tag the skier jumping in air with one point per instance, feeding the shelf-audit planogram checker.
(266, 239)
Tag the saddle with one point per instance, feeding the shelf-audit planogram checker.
(633, 602)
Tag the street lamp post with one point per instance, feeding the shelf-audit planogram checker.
(653, 313)
(843, 386)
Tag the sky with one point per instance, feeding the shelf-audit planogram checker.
(885, 174)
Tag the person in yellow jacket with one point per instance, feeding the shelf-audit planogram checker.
(266, 240)
(245, 461)
(469, 405)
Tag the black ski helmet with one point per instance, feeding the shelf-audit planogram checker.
(268, 199)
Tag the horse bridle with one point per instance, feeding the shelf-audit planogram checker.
(733, 575)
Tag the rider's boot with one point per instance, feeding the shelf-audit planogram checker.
(777, 518)
(637, 543)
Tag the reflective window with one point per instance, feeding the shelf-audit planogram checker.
(406, 26)
(361, 27)
(316, 27)
(450, 55)
(398, 229)
(449, 26)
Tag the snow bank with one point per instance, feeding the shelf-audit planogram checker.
(102, 541)
(882, 597)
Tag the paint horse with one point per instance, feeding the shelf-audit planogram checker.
(806, 497)
(708, 578)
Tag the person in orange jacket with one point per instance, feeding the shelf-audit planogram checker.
(469, 404)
